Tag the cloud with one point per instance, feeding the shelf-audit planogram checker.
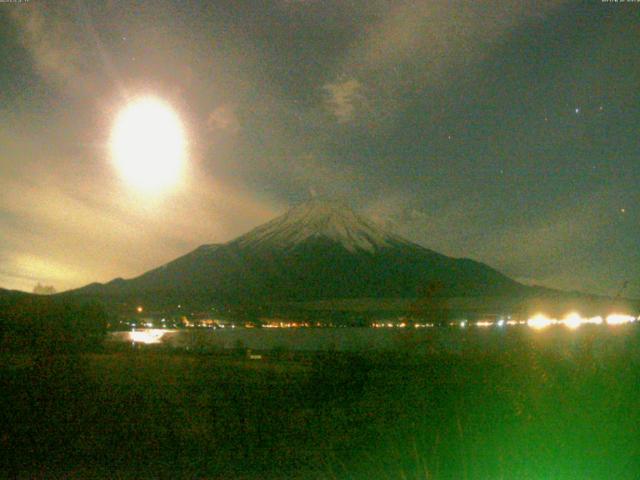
(58, 48)
(65, 218)
(322, 176)
(424, 44)
(342, 97)
(60, 229)
(442, 32)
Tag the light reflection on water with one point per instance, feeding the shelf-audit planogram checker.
(601, 337)
(147, 336)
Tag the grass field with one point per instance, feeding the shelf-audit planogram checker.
(524, 413)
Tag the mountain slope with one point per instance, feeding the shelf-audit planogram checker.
(318, 250)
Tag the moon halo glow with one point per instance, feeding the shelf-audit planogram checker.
(148, 145)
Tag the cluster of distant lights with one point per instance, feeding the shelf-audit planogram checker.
(538, 322)
(288, 325)
(400, 325)
(575, 320)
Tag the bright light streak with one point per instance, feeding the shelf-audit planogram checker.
(573, 321)
(484, 323)
(619, 319)
(147, 336)
(594, 320)
(540, 321)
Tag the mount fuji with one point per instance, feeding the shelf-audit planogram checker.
(318, 250)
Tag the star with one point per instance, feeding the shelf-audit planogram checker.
(577, 110)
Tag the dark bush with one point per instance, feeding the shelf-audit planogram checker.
(36, 324)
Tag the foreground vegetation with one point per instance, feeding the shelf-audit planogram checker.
(526, 413)
(44, 325)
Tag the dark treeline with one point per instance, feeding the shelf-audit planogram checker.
(51, 325)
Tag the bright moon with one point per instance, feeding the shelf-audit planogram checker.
(148, 144)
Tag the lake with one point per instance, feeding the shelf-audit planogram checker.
(598, 339)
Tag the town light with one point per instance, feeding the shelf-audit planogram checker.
(540, 321)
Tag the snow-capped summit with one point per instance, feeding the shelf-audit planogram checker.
(326, 219)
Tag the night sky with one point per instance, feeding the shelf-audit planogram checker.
(504, 131)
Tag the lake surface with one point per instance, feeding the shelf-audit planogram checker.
(599, 340)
